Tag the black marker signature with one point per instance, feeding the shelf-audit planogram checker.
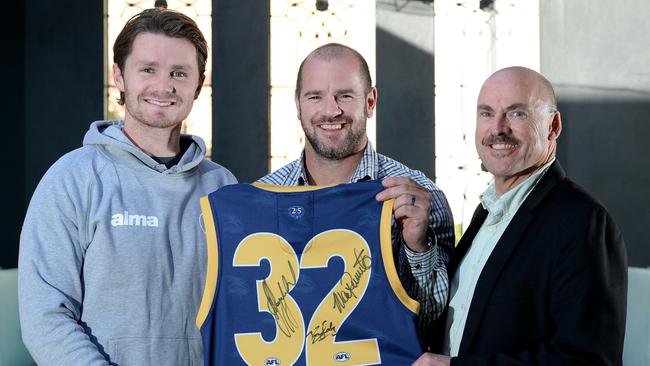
(350, 281)
(320, 332)
(285, 320)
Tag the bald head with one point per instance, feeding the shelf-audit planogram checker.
(529, 79)
(335, 51)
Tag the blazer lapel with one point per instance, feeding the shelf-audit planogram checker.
(507, 243)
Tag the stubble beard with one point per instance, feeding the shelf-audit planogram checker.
(348, 146)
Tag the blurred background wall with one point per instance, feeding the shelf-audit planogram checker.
(594, 53)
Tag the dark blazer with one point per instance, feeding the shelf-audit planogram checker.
(553, 291)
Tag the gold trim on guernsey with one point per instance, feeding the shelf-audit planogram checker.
(389, 263)
(213, 262)
(276, 188)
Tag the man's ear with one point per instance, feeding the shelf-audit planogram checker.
(296, 99)
(555, 127)
(118, 78)
(198, 88)
(371, 101)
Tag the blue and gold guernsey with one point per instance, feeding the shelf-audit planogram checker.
(303, 276)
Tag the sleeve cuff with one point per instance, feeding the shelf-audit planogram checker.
(421, 263)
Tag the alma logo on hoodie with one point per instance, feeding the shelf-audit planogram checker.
(126, 219)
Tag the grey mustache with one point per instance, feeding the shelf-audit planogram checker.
(500, 139)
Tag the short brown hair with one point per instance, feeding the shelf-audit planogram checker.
(159, 21)
(332, 51)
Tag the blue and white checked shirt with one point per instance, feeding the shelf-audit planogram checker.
(423, 275)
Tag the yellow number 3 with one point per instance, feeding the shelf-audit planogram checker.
(273, 297)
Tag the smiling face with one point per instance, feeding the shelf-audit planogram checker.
(333, 106)
(516, 125)
(160, 81)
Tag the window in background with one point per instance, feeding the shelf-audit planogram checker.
(473, 39)
(297, 28)
(199, 122)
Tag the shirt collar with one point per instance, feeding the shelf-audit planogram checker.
(366, 170)
(510, 201)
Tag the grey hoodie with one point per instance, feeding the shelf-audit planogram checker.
(112, 255)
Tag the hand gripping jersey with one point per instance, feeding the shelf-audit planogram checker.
(303, 276)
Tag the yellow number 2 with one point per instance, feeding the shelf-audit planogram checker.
(340, 301)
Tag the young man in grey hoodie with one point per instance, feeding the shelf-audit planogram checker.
(112, 256)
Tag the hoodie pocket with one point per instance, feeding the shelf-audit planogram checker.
(159, 351)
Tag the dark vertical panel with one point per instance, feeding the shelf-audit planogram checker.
(405, 111)
(240, 59)
(11, 148)
(606, 151)
(64, 79)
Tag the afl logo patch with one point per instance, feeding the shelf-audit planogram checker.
(296, 211)
(272, 361)
(342, 357)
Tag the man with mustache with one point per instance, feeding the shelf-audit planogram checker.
(540, 275)
(112, 258)
(334, 97)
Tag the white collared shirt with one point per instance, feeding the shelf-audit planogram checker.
(500, 213)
